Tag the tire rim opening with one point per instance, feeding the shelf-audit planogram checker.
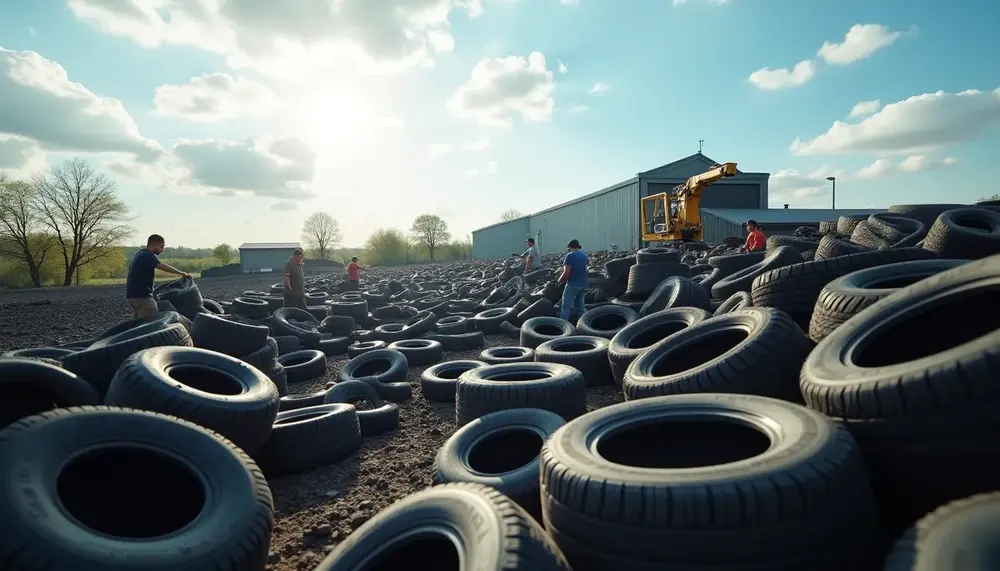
(413, 344)
(518, 376)
(574, 347)
(656, 334)
(507, 353)
(429, 551)
(132, 493)
(453, 372)
(896, 282)
(677, 443)
(504, 451)
(548, 330)
(608, 322)
(205, 379)
(297, 360)
(361, 404)
(20, 399)
(698, 352)
(372, 368)
(300, 418)
(974, 224)
(906, 339)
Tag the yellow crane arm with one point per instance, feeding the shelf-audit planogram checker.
(689, 194)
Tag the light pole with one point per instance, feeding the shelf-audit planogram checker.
(833, 179)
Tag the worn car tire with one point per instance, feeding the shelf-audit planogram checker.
(384, 369)
(550, 386)
(587, 354)
(606, 321)
(29, 386)
(437, 383)
(538, 330)
(308, 438)
(376, 416)
(639, 336)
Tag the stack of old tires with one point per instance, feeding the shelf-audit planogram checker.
(744, 444)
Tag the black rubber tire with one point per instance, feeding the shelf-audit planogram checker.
(252, 307)
(489, 321)
(743, 279)
(437, 383)
(183, 293)
(279, 378)
(657, 256)
(287, 344)
(675, 292)
(98, 364)
(384, 369)
(847, 296)
(538, 330)
(731, 263)
(643, 278)
(221, 393)
(780, 486)
(378, 416)
(795, 289)
(637, 337)
(510, 330)
(226, 336)
(959, 536)
(453, 324)
(132, 497)
(965, 233)
(41, 353)
(264, 357)
(847, 224)
(30, 386)
(213, 306)
(419, 352)
(800, 244)
(459, 341)
(337, 325)
(550, 386)
(921, 403)
(308, 438)
(606, 321)
(495, 533)
(304, 365)
(281, 324)
(587, 354)
(733, 353)
(500, 450)
(738, 300)
(295, 402)
(540, 308)
(506, 354)
(925, 213)
(334, 346)
(362, 347)
(163, 317)
(833, 246)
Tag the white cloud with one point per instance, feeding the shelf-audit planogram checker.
(20, 157)
(285, 205)
(502, 87)
(865, 108)
(264, 166)
(492, 168)
(287, 38)
(877, 169)
(799, 190)
(480, 144)
(391, 123)
(215, 97)
(920, 163)
(773, 79)
(916, 124)
(562, 67)
(42, 104)
(860, 42)
(437, 150)
(599, 88)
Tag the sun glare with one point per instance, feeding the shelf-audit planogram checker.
(334, 119)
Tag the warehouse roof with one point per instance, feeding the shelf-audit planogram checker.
(787, 215)
(269, 246)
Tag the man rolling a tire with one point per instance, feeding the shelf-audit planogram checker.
(295, 281)
(141, 270)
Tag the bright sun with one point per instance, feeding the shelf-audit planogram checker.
(333, 119)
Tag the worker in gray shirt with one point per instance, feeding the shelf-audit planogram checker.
(295, 287)
(533, 258)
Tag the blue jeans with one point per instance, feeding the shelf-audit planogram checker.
(572, 301)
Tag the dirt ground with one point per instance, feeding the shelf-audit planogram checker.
(316, 510)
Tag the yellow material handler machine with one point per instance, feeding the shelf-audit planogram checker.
(675, 216)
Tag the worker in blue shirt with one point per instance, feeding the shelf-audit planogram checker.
(574, 275)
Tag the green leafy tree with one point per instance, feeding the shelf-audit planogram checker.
(385, 246)
(429, 231)
(224, 253)
(321, 234)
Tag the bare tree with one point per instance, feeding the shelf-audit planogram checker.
(510, 214)
(321, 233)
(80, 206)
(429, 231)
(20, 235)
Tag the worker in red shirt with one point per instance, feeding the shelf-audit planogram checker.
(353, 275)
(755, 238)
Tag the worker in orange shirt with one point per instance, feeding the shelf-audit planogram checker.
(755, 238)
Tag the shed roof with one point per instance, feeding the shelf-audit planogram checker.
(787, 215)
(269, 246)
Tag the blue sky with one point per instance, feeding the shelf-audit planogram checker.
(377, 119)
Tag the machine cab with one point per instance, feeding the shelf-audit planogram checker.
(657, 212)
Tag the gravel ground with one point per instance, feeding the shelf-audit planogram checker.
(316, 510)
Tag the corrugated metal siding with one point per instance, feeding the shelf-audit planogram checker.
(717, 229)
(262, 260)
(598, 222)
(500, 240)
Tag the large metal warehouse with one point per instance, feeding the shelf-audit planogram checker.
(722, 223)
(610, 217)
(265, 257)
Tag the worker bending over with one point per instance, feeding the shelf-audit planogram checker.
(755, 238)
(295, 281)
(574, 275)
(139, 283)
(534, 259)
